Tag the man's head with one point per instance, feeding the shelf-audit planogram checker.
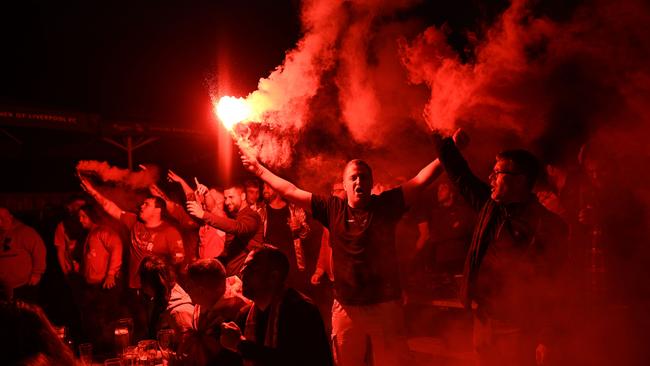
(357, 182)
(252, 189)
(88, 216)
(513, 176)
(214, 201)
(234, 197)
(74, 203)
(264, 273)
(152, 209)
(269, 193)
(6, 219)
(156, 277)
(206, 282)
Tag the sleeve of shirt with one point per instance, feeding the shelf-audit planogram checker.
(129, 219)
(246, 223)
(177, 212)
(320, 208)
(113, 245)
(474, 190)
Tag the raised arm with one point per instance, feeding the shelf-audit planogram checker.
(285, 188)
(109, 206)
(475, 191)
(173, 177)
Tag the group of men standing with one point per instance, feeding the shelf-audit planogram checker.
(516, 251)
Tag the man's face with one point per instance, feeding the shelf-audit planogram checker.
(357, 182)
(253, 280)
(148, 210)
(269, 194)
(5, 219)
(205, 297)
(252, 195)
(233, 198)
(507, 183)
(85, 221)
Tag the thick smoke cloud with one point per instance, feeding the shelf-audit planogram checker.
(387, 79)
(371, 80)
(109, 174)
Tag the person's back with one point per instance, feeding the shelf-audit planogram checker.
(281, 327)
(207, 286)
(297, 331)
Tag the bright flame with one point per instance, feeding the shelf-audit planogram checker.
(231, 111)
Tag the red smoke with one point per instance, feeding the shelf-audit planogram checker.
(106, 173)
(365, 81)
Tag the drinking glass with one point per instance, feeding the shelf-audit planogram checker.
(130, 356)
(147, 350)
(123, 331)
(86, 353)
(165, 342)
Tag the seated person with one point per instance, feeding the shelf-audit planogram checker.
(282, 326)
(207, 287)
(170, 306)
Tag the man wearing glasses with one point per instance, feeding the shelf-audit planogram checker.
(514, 259)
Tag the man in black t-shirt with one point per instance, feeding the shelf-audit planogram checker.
(362, 234)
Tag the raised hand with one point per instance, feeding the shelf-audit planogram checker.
(249, 158)
(173, 177)
(461, 139)
(156, 191)
(201, 189)
(195, 209)
(86, 185)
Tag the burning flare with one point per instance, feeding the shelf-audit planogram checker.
(231, 111)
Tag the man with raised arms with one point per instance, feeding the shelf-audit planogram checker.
(362, 234)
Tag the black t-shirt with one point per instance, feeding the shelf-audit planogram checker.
(364, 256)
(278, 232)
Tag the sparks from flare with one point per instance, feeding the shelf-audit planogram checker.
(231, 111)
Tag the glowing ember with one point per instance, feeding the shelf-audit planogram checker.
(231, 111)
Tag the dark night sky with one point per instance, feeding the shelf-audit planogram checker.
(146, 60)
(150, 62)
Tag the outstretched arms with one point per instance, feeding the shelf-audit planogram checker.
(109, 206)
(285, 188)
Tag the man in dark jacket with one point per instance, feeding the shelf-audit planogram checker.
(516, 252)
(282, 326)
(243, 227)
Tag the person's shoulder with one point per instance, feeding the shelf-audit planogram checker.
(23, 229)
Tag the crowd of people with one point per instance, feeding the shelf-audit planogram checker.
(228, 269)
